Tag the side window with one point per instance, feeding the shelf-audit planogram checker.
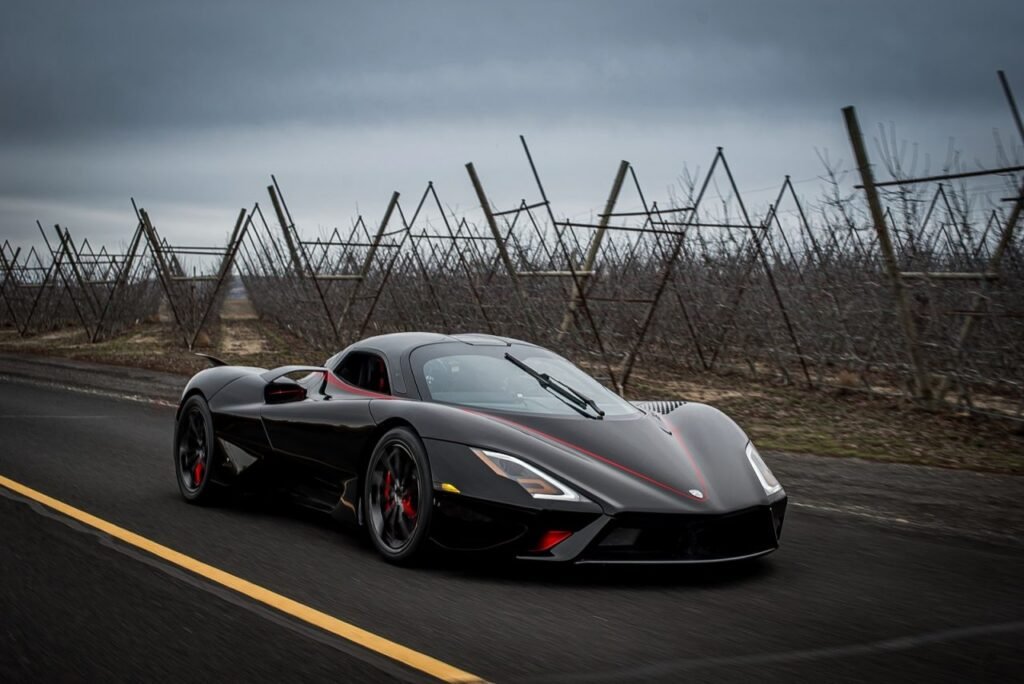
(364, 370)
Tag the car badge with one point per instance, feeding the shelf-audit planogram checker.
(697, 493)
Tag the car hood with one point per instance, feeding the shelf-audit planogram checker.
(690, 461)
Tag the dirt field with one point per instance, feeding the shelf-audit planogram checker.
(824, 422)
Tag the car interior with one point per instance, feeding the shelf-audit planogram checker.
(365, 371)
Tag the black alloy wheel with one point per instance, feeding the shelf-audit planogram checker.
(397, 496)
(194, 451)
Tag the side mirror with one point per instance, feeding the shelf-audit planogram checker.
(283, 391)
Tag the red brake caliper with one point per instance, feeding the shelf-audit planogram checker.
(387, 491)
(197, 473)
(407, 507)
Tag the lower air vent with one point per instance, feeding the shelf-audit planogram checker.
(650, 537)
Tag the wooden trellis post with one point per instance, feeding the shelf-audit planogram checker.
(594, 248)
(922, 388)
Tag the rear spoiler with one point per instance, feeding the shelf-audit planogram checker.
(214, 361)
(272, 375)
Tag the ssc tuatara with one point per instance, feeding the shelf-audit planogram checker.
(476, 442)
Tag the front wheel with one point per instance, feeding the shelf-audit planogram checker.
(194, 451)
(398, 496)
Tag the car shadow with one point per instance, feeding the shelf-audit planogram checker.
(633, 576)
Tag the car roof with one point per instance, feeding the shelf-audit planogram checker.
(396, 348)
(396, 345)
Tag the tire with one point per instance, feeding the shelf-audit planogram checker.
(195, 451)
(398, 497)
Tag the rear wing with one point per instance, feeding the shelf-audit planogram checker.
(214, 361)
(272, 375)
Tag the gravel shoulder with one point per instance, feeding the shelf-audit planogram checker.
(96, 377)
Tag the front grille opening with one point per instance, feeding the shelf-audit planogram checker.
(686, 537)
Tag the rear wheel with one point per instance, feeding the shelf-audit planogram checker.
(397, 496)
(194, 451)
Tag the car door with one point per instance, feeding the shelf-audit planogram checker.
(323, 431)
(331, 427)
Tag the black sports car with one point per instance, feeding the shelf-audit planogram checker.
(476, 442)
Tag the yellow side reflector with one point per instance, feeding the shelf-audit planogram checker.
(449, 487)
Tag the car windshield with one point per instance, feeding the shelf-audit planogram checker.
(484, 378)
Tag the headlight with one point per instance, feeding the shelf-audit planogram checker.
(761, 469)
(537, 484)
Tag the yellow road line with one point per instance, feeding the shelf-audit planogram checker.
(378, 644)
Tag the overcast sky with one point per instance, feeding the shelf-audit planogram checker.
(189, 107)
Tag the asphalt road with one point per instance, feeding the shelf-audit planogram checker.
(847, 598)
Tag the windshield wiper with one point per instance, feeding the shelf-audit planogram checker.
(578, 399)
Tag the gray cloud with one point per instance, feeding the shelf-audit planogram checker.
(74, 68)
(193, 104)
